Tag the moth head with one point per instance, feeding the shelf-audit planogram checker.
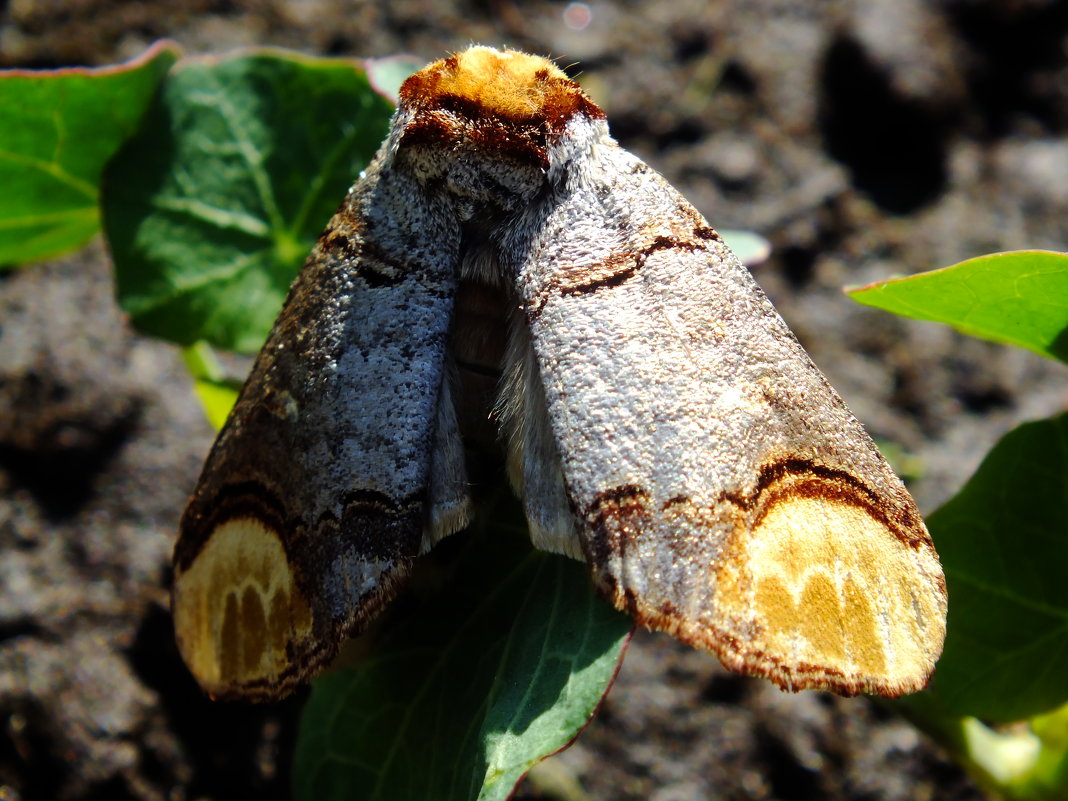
(520, 108)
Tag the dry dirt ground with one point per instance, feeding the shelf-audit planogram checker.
(862, 138)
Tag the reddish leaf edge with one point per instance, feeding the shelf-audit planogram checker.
(288, 54)
(851, 289)
(589, 719)
(154, 50)
(370, 65)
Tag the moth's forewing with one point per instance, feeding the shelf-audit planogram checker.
(313, 501)
(723, 492)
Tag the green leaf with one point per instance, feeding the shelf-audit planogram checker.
(217, 393)
(471, 687)
(59, 129)
(1003, 541)
(1019, 298)
(240, 163)
(750, 247)
(387, 74)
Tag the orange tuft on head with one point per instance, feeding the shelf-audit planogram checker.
(505, 84)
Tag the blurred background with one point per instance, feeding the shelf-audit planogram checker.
(863, 139)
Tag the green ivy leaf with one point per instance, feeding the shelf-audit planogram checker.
(1019, 298)
(750, 247)
(387, 74)
(212, 207)
(59, 129)
(216, 392)
(470, 687)
(1003, 541)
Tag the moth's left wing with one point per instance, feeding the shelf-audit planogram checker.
(720, 489)
(341, 460)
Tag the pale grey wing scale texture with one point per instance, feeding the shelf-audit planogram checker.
(339, 440)
(683, 411)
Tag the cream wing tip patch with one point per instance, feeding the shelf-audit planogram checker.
(835, 599)
(238, 613)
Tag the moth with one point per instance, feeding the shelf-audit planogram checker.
(662, 423)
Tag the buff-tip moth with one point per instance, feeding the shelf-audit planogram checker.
(662, 423)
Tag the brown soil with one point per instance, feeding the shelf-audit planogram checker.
(863, 139)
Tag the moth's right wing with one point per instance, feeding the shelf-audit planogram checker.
(327, 479)
(716, 484)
